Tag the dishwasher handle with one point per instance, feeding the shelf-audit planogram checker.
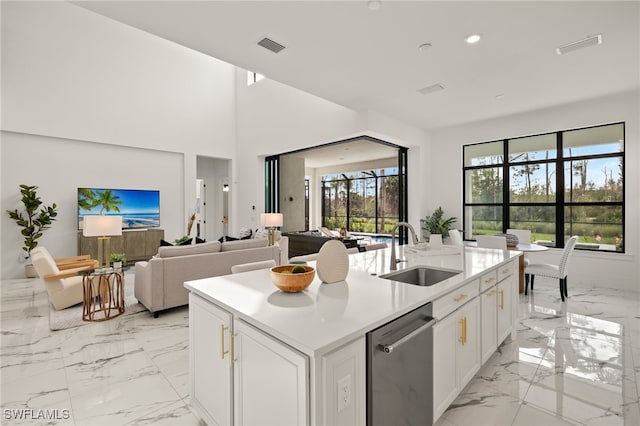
(391, 347)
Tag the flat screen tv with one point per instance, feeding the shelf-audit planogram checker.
(138, 208)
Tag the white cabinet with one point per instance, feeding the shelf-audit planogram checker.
(505, 298)
(489, 322)
(456, 353)
(270, 380)
(209, 352)
(238, 369)
(496, 307)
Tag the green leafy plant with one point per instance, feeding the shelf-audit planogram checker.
(436, 224)
(118, 257)
(181, 240)
(32, 221)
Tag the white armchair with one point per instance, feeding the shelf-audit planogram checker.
(61, 279)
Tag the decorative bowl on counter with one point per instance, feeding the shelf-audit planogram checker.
(292, 278)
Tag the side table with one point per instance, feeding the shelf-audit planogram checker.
(103, 294)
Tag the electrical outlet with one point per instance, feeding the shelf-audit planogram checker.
(344, 392)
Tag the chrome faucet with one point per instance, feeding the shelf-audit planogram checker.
(394, 262)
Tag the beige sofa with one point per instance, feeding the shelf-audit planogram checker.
(159, 283)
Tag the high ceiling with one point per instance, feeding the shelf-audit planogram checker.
(368, 59)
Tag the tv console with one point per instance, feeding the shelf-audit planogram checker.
(136, 244)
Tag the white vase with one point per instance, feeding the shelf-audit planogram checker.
(435, 241)
(332, 264)
(117, 265)
(30, 271)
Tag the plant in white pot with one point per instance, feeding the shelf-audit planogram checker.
(437, 224)
(33, 220)
(118, 260)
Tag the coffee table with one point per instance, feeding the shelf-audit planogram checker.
(103, 294)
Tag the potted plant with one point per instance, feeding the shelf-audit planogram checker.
(437, 224)
(118, 259)
(33, 220)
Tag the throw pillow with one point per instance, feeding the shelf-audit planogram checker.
(262, 233)
(186, 242)
(245, 233)
(227, 238)
(200, 240)
(164, 243)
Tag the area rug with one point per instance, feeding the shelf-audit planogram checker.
(72, 317)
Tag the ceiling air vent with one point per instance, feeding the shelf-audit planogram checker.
(586, 42)
(431, 89)
(270, 45)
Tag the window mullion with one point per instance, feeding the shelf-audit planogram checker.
(560, 202)
(506, 200)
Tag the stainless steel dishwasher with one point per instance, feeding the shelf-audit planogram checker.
(400, 370)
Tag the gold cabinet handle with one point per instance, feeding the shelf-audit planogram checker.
(459, 298)
(232, 358)
(222, 330)
(463, 330)
(490, 280)
(501, 299)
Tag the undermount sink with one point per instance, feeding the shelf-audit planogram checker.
(420, 275)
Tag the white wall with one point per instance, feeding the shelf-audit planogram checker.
(589, 269)
(80, 87)
(292, 197)
(274, 118)
(59, 166)
(71, 73)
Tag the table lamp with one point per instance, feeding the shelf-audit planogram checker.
(271, 221)
(103, 227)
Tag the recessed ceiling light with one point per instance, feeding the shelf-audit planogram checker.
(585, 42)
(473, 38)
(373, 5)
(424, 47)
(500, 96)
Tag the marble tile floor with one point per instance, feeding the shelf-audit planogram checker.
(576, 363)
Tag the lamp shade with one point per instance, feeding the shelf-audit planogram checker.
(102, 226)
(270, 220)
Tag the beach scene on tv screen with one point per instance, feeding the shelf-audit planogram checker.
(138, 208)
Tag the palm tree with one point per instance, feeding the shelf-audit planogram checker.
(108, 201)
(88, 199)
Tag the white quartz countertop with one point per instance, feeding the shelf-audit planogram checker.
(326, 316)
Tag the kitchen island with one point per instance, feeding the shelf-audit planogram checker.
(262, 356)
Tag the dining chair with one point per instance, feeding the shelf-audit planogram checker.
(455, 237)
(524, 235)
(559, 271)
(491, 241)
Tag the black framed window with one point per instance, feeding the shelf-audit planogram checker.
(555, 184)
(361, 201)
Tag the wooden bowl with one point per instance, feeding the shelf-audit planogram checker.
(292, 283)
